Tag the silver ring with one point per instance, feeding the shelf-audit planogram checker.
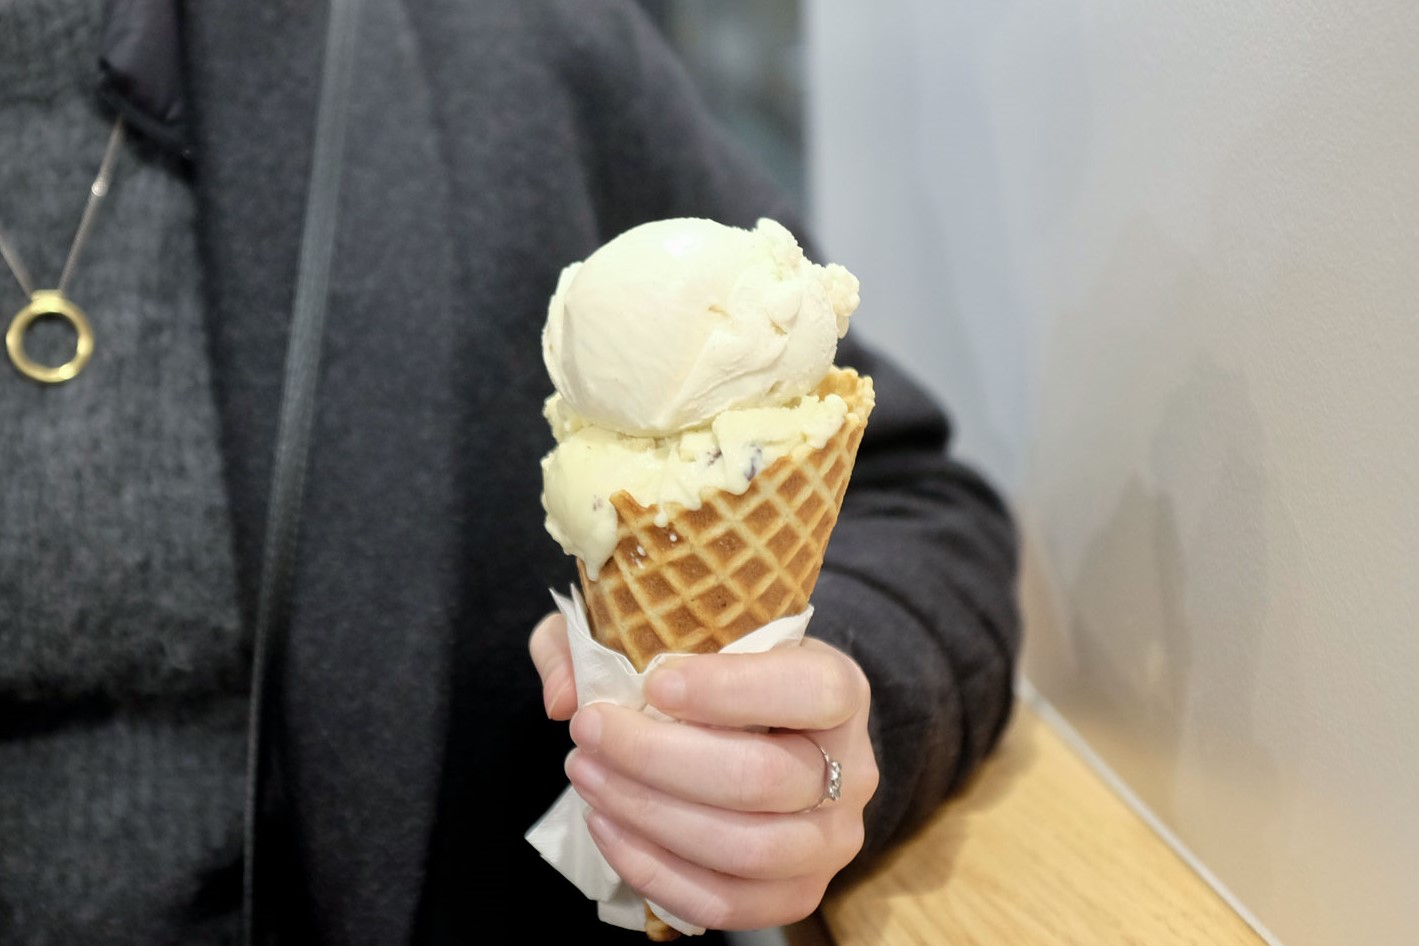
(832, 779)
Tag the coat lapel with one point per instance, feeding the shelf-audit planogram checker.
(359, 702)
(254, 89)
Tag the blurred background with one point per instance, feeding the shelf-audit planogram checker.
(1159, 260)
(747, 57)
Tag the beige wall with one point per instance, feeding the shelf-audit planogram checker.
(1163, 260)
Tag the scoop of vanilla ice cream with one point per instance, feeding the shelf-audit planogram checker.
(676, 320)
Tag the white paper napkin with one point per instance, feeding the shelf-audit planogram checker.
(605, 676)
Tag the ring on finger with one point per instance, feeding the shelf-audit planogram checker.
(832, 778)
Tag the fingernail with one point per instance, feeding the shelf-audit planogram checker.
(666, 689)
(586, 774)
(550, 699)
(586, 728)
(603, 827)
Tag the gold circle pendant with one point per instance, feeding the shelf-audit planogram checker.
(51, 303)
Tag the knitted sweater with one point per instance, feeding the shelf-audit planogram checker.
(122, 658)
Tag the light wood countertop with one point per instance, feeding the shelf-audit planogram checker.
(1037, 851)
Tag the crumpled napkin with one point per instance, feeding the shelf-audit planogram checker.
(603, 675)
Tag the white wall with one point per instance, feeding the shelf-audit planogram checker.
(1163, 261)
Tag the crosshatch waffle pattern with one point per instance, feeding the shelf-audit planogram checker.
(713, 574)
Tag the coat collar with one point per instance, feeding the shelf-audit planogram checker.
(140, 70)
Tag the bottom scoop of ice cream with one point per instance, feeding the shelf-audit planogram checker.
(591, 464)
(677, 320)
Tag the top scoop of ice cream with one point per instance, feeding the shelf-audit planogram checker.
(676, 320)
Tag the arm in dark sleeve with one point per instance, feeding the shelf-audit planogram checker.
(919, 582)
(919, 587)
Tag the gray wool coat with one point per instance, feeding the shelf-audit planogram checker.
(490, 144)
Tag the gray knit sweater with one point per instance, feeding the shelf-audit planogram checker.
(122, 662)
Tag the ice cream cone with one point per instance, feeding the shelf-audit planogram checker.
(713, 574)
(657, 930)
(682, 352)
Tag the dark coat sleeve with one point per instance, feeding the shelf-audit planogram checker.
(919, 582)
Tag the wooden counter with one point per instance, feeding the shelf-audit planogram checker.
(1037, 851)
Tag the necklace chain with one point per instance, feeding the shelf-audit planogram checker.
(55, 303)
(97, 191)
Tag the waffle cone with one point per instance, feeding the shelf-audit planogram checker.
(713, 574)
(657, 930)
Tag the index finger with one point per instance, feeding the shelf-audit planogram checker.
(811, 686)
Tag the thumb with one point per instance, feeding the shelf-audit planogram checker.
(553, 659)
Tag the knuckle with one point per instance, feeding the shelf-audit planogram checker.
(845, 687)
(801, 899)
(715, 913)
(850, 840)
(871, 777)
(857, 687)
(860, 782)
(761, 854)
